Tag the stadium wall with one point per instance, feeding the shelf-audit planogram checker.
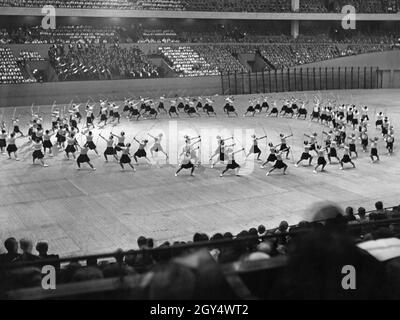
(63, 92)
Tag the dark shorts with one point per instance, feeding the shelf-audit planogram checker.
(271, 158)
(346, 158)
(12, 148)
(109, 151)
(83, 158)
(2, 143)
(279, 164)
(37, 154)
(321, 161)
(364, 142)
(187, 165)
(283, 146)
(91, 145)
(134, 112)
(140, 153)
(352, 147)
(332, 153)
(47, 144)
(305, 156)
(125, 159)
(255, 149)
(232, 165)
(70, 149)
(374, 152)
(249, 109)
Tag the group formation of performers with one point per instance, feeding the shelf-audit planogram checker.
(147, 108)
(331, 142)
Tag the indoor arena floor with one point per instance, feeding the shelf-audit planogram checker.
(82, 212)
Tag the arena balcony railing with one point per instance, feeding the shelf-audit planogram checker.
(176, 249)
(232, 272)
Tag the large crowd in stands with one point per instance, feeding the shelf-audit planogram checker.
(361, 6)
(84, 61)
(175, 5)
(100, 62)
(81, 4)
(285, 56)
(10, 69)
(239, 5)
(219, 58)
(30, 56)
(158, 36)
(65, 34)
(186, 62)
(327, 240)
(62, 34)
(315, 6)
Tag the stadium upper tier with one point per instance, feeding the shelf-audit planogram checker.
(198, 32)
(315, 6)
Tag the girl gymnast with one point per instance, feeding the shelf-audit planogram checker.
(279, 164)
(305, 155)
(374, 149)
(254, 148)
(346, 157)
(232, 164)
(110, 150)
(71, 143)
(141, 152)
(186, 164)
(37, 153)
(126, 157)
(83, 157)
(157, 145)
(12, 147)
(321, 159)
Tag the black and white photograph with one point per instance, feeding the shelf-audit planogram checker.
(201, 157)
